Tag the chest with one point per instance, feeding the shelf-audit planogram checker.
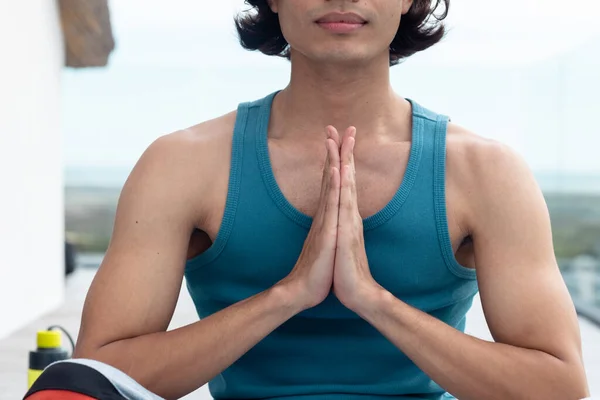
(380, 172)
(380, 169)
(298, 170)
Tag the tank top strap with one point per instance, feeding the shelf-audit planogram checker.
(430, 123)
(429, 193)
(254, 121)
(441, 215)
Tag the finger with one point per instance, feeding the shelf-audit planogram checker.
(353, 137)
(334, 134)
(324, 182)
(348, 133)
(333, 201)
(327, 156)
(346, 152)
(332, 152)
(325, 167)
(352, 142)
(346, 199)
(348, 196)
(352, 131)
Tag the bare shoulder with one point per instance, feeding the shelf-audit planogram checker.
(192, 152)
(474, 159)
(187, 163)
(198, 145)
(487, 174)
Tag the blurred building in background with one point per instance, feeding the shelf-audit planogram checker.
(37, 39)
(566, 86)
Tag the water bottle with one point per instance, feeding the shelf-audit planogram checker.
(49, 350)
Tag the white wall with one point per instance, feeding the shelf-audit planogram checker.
(31, 197)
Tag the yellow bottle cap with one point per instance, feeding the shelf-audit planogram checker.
(49, 339)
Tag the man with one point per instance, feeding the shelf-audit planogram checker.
(335, 235)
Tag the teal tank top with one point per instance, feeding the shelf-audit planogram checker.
(328, 352)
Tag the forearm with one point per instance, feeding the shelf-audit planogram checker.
(175, 363)
(468, 367)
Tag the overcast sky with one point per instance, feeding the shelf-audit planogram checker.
(520, 71)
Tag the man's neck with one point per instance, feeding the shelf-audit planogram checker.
(319, 95)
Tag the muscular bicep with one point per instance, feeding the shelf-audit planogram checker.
(524, 297)
(136, 288)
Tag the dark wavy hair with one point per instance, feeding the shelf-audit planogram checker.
(421, 28)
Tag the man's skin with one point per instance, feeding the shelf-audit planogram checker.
(172, 205)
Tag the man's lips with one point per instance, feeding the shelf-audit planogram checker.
(347, 18)
(341, 22)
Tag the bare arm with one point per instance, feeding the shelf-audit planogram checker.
(133, 296)
(537, 353)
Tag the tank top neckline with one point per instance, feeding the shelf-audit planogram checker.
(371, 222)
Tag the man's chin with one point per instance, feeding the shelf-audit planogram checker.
(345, 58)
